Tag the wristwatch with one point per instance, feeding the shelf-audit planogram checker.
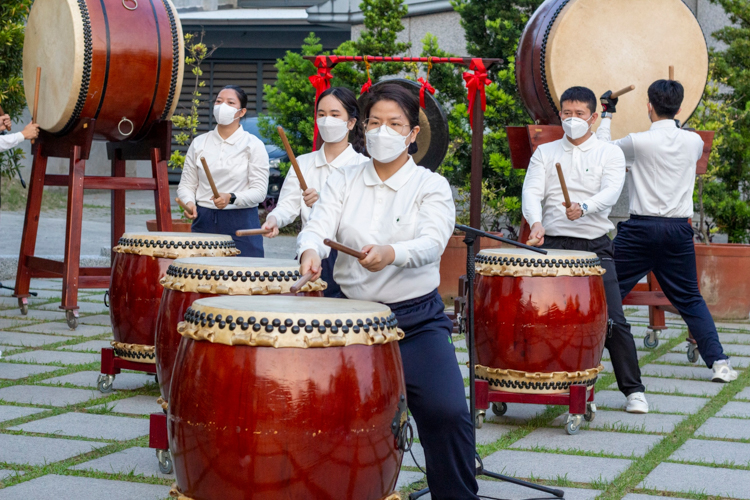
(232, 198)
(607, 114)
(585, 209)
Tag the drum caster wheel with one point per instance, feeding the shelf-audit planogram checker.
(104, 383)
(573, 424)
(590, 414)
(499, 409)
(692, 353)
(479, 418)
(23, 306)
(651, 340)
(72, 318)
(165, 461)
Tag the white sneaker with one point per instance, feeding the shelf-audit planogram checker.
(723, 371)
(637, 403)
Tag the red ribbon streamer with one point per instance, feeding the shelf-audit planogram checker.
(476, 81)
(321, 82)
(425, 86)
(366, 87)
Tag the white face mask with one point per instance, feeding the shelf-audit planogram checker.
(332, 129)
(575, 128)
(224, 114)
(383, 145)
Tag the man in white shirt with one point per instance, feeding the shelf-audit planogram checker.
(594, 173)
(658, 237)
(10, 141)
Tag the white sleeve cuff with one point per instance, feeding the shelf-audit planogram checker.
(401, 253)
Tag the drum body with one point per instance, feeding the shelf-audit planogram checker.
(141, 260)
(119, 62)
(318, 416)
(181, 288)
(555, 53)
(539, 328)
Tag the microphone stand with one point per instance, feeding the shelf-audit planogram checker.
(472, 235)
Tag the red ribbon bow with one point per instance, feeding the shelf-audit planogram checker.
(425, 86)
(476, 81)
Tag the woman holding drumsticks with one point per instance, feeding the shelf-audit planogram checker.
(238, 164)
(338, 119)
(401, 216)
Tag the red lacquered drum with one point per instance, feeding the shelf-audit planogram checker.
(287, 398)
(141, 260)
(195, 278)
(540, 320)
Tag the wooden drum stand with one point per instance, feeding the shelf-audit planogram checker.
(76, 146)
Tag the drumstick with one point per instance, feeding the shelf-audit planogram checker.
(563, 185)
(210, 177)
(345, 249)
(671, 72)
(532, 242)
(301, 282)
(620, 92)
(252, 232)
(36, 96)
(292, 158)
(182, 205)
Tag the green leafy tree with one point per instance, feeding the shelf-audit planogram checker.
(13, 15)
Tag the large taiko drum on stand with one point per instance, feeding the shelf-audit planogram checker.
(141, 261)
(287, 397)
(540, 320)
(188, 280)
(609, 45)
(120, 62)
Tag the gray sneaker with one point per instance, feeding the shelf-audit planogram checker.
(723, 372)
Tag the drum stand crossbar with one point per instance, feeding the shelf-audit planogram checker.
(76, 146)
(472, 235)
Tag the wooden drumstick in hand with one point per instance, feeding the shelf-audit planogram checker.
(345, 249)
(183, 206)
(563, 185)
(620, 92)
(252, 232)
(36, 96)
(301, 282)
(292, 158)
(209, 177)
(532, 242)
(671, 72)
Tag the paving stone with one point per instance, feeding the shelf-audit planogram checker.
(517, 414)
(489, 433)
(139, 461)
(462, 357)
(83, 307)
(88, 425)
(507, 491)
(579, 469)
(30, 339)
(8, 302)
(743, 394)
(683, 372)
(99, 319)
(123, 381)
(15, 371)
(715, 452)
(14, 412)
(665, 385)
(8, 323)
(7, 349)
(90, 346)
(5, 473)
(681, 478)
(83, 488)
(460, 344)
(638, 496)
(611, 443)
(66, 358)
(33, 314)
(137, 405)
(418, 453)
(729, 349)
(727, 428)
(656, 402)
(735, 409)
(34, 450)
(464, 370)
(742, 327)
(621, 421)
(606, 356)
(406, 478)
(41, 295)
(63, 329)
(40, 395)
(681, 358)
(607, 367)
(734, 338)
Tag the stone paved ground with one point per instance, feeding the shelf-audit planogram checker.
(61, 438)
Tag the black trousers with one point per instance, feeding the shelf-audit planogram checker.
(665, 246)
(217, 221)
(619, 341)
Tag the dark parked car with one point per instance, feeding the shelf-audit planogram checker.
(276, 155)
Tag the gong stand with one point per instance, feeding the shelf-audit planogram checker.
(76, 146)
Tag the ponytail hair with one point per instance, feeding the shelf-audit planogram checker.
(347, 98)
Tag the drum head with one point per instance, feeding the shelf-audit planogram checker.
(237, 263)
(519, 262)
(522, 253)
(432, 141)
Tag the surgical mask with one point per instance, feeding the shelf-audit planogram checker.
(575, 128)
(385, 144)
(332, 129)
(224, 113)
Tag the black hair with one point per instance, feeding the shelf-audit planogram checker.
(347, 98)
(407, 101)
(580, 94)
(666, 97)
(241, 95)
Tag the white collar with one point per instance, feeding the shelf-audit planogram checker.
(341, 160)
(663, 124)
(232, 139)
(589, 144)
(396, 181)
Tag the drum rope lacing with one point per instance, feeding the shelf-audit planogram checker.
(175, 60)
(206, 245)
(183, 272)
(538, 262)
(88, 51)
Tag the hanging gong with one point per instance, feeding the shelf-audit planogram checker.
(432, 141)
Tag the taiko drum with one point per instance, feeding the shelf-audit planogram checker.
(141, 260)
(187, 280)
(286, 398)
(540, 320)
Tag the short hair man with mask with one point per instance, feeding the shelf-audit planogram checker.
(594, 172)
(658, 237)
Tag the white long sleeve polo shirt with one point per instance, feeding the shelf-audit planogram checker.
(315, 169)
(412, 211)
(238, 164)
(594, 174)
(661, 168)
(10, 141)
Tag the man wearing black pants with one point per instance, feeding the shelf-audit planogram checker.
(594, 173)
(658, 236)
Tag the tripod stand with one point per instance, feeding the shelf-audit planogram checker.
(472, 235)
